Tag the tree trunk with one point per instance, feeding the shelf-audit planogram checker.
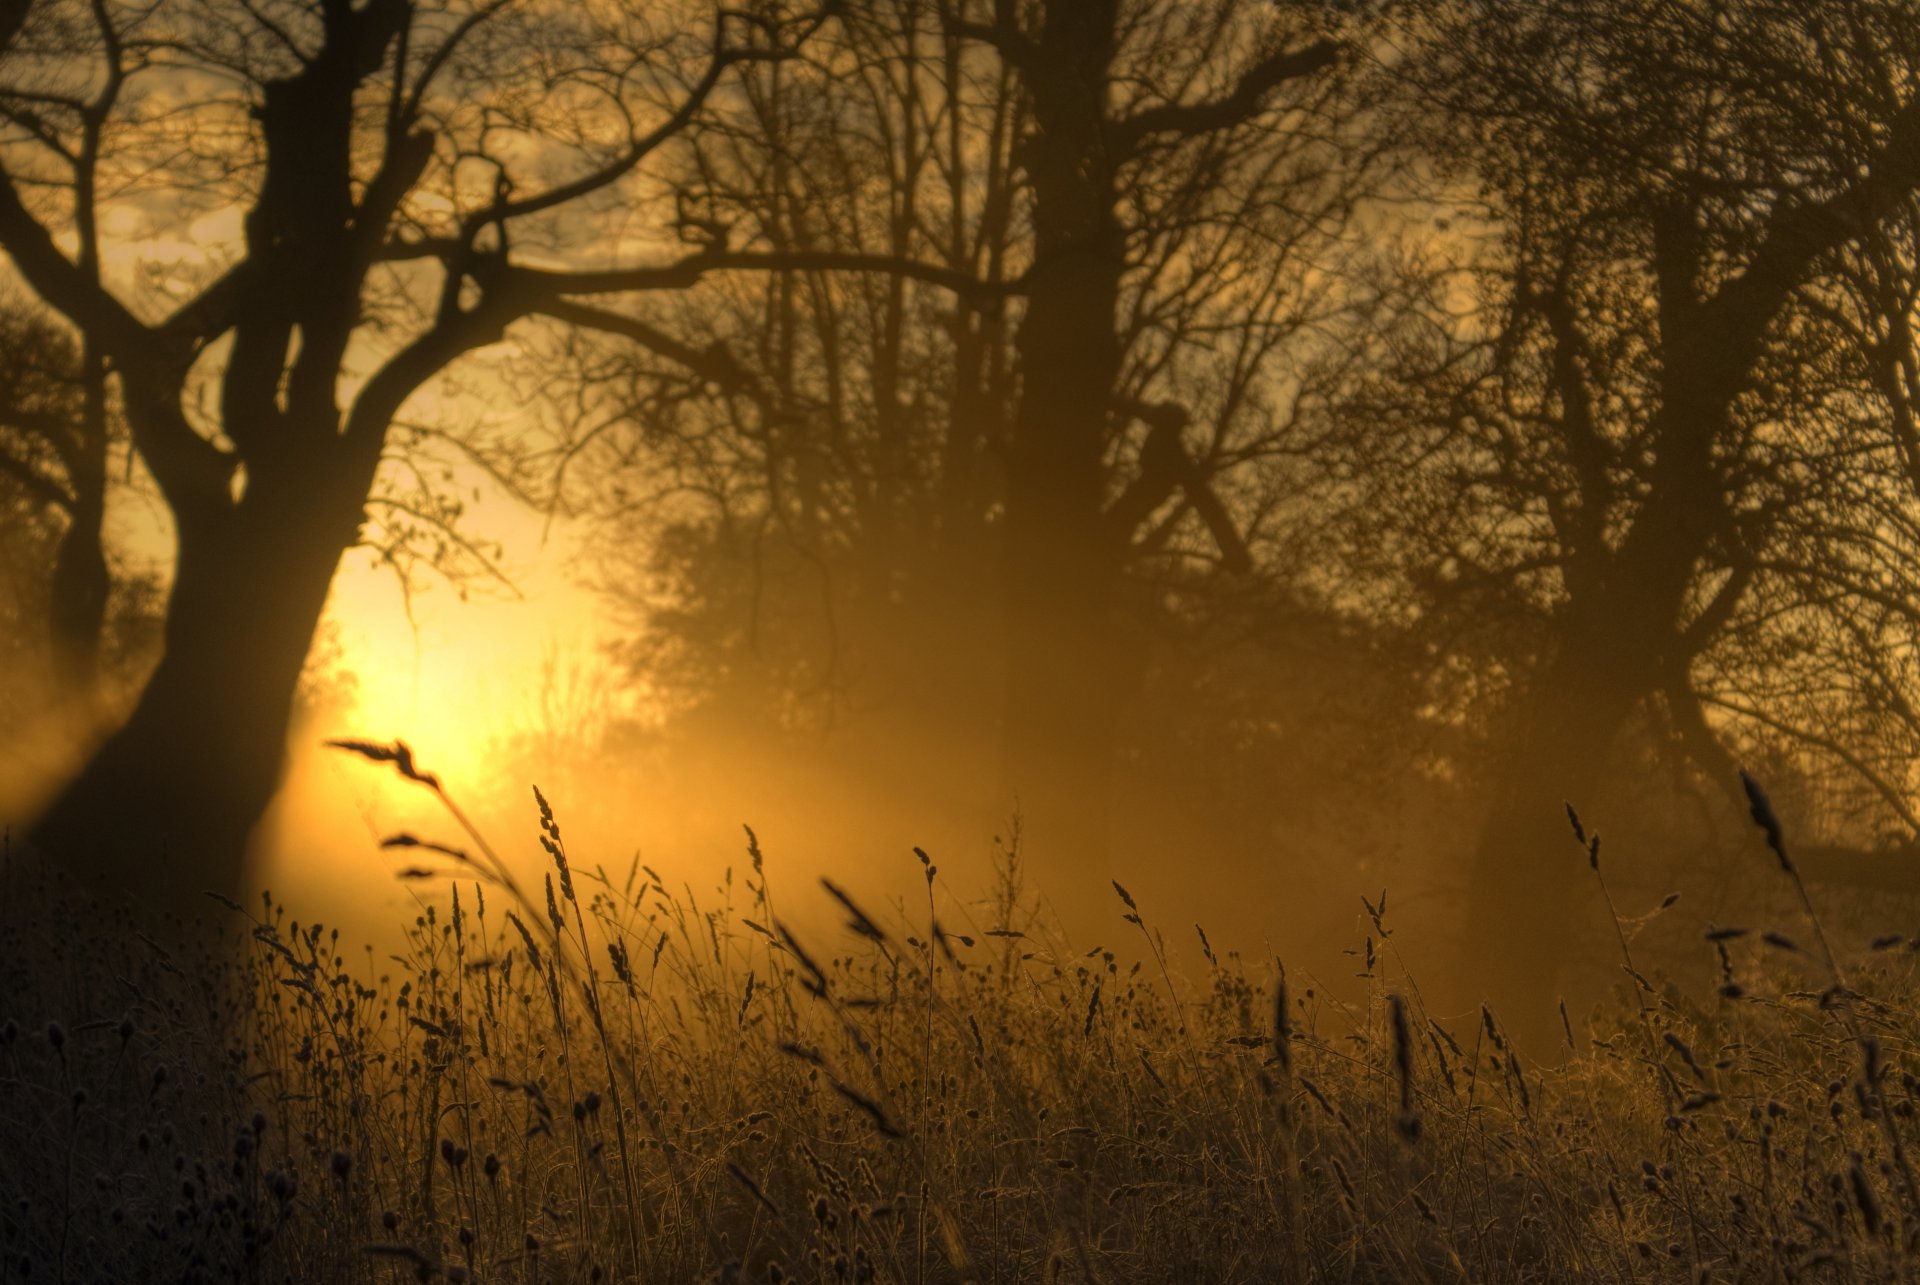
(162, 812)
(1532, 901)
(1063, 686)
(1621, 633)
(1062, 568)
(1532, 893)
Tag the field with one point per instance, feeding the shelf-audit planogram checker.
(607, 1079)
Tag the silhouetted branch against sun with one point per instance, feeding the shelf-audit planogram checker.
(386, 164)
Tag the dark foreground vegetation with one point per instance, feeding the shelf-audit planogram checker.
(608, 1079)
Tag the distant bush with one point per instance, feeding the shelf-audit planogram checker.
(608, 1080)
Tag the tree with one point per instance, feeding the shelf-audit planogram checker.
(1141, 196)
(391, 161)
(1065, 542)
(1638, 452)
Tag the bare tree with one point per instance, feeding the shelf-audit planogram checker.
(1139, 198)
(413, 180)
(1634, 446)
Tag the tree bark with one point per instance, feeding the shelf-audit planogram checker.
(1621, 633)
(1062, 568)
(163, 810)
(1531, 900)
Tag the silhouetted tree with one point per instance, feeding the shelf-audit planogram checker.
(1633, 446)
(1143, 195)
(390, 160)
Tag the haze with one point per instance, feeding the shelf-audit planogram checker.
(1253, 454)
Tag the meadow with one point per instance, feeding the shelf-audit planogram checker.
(604, 1078)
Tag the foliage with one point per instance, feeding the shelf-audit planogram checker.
(1651, 332)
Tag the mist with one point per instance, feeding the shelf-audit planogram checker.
(1265, 520)
(947, 640)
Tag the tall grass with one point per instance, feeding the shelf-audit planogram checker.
(607, 1078)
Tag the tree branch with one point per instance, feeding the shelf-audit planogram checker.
(61, 283)
(208, 314)
(714, 363)
(1165, 466)
(1892, 797)
(1798, 233)
(454, 333)
(1235, 107)
(442, 55)
(640, 148)
(1003, 35)
(13, 16)
(686, 272)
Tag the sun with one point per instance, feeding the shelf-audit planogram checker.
(452, 679)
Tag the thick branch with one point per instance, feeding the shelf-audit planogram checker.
(152, 367)
(1705, 627)
(405, 161)
(624, 164)
(1235, 107)
(1799, 234)
(13, 16)
(714, 363)
(61, 283)
(209, 314)
(1165, 466)
(1234, 554)
(687, 272)
(442, 55)
(1697, 737)
(455, 333)
(1586, 448)
(1015, 47)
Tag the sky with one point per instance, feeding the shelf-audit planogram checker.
(451, 675)
(459, 670)
(449, 668)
